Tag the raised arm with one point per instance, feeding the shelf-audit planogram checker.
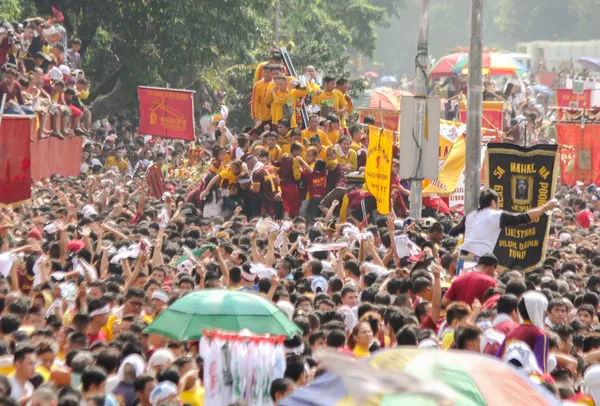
(157, 257)
(270, 257)
(330, 211)
(436, 299)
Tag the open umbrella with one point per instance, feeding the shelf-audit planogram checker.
(545, 90)
(217, 309)
(494, 64)
(467, 379)
(386, 80)
(371, 74)
(443, 67)
(592, 64)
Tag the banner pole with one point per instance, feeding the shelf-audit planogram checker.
(2, 107)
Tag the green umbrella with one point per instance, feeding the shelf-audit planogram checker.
(217, 309)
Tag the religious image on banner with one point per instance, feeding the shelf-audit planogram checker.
(524, 178)
(378, 170)
(167, 113)
(579, 153)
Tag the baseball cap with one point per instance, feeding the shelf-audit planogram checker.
(55, 74)
(64, 69)
(163, 391)
(318, 283)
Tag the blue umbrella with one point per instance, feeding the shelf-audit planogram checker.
(589, 63)
(387, 79)
(543, 90)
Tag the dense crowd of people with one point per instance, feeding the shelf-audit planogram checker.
(42, 76)
(74, 306)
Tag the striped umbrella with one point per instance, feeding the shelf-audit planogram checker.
(465, 379)
(494, 64)
(444, 66)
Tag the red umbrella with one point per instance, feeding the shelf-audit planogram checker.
(444, 66)
(371, 74)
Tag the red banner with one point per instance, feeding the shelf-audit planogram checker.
(167, 113)
(492, 117)
(391, 118)
(15, 160)
(47, 157)
(565, 98)
(579, 153)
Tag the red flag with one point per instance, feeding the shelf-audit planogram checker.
(57, 14)
(15, 160)
(167, 113)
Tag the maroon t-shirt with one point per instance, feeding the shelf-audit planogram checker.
(316, 182)
(336, 178)
(470, 286)
(14, 95)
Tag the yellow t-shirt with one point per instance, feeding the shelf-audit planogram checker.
(84, 94)
(278, 99)
(307, 133)
(111, 161)
(322, 154)
(343, 103)
(333, 136)
(355, 146)
(260, 109)
(327, 101)
(448, 339)
(258, 72)
(194, 397)
(275, 154)
(359, 353)
(228, 179)
(351, 159)
(44, 373)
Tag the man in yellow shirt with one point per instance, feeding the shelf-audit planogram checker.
(313, 128)
(259, 109)
(283, 100)
(326, 99)
(283, 132)
(344, 102)
(356, 136)
(332, 127)
(346, 156)
(275, 58)
(315, 142)
(117, 161)
(275, 152)
(134, 302)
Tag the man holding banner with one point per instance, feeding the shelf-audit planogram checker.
(482, 228)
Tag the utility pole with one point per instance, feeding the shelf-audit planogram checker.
(474, 100)
(276, 22)
(416, 185)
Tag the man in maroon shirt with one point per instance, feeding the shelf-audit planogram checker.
(336, 181)
(316, 181)
(508, 316)
(473, 285)
(14, 99)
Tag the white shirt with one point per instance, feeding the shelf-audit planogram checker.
(17, 391)
(482, 229)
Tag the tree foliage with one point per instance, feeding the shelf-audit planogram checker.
(211, 45)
